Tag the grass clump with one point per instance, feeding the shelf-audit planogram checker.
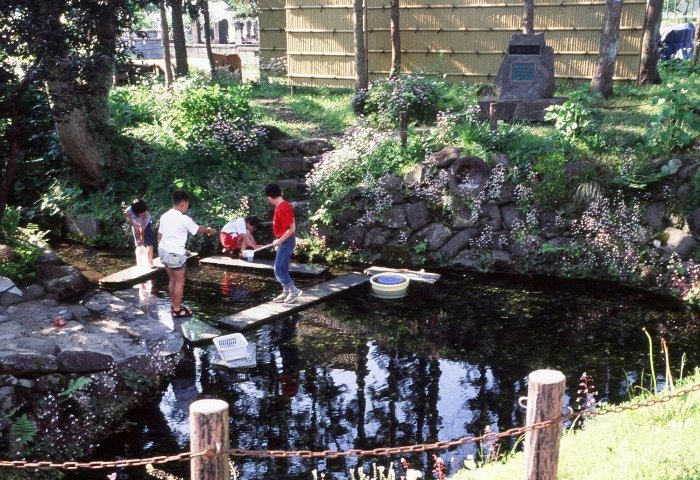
(658, 442)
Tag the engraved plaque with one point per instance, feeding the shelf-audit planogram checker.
(524, 50)
(522, 72)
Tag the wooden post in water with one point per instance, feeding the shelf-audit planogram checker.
(403, 127)
(545, 398)
(209, 431)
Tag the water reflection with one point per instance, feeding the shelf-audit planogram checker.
(447, 361)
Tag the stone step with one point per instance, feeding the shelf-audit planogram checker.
(293, 164)
(292, 185)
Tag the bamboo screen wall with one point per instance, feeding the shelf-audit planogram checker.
(273, 38)
(458, 39)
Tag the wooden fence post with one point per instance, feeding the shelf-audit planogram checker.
(403, 127)
(545, 398)
(209, 431)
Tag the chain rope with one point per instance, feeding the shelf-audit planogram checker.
(381, 451)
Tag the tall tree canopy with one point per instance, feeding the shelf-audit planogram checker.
(66, 50)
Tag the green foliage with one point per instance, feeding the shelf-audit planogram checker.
(57, 198)
(385, 98)
(20, 268)
(199, 106)
(477, 136)
(134, 104)
(22, 431)
(75, 384)
(552, 190)
(365, 154)
(574, 117)
(676, 123)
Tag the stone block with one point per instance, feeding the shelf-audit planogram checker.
(83, 361)
(455, 244)
(679, 242)
(83, 225)
(418, 215)
(20, 363)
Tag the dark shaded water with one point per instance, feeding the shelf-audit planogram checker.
(447, 361)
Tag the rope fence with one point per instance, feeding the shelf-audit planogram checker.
(209, 419)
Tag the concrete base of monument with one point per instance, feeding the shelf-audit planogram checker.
(530, 110)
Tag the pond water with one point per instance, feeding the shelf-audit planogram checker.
(447, 361)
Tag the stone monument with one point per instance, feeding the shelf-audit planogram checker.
(525, 81)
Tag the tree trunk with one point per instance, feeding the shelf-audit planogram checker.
(602, 82)
(696, 40)
(529, 17)
(95, 96)
(648, 65)
(207, 37)
(75, 131)
(395, 41)
(78, 141)
(166, 45)
(15, 140)
(179, 42)
(362, 77)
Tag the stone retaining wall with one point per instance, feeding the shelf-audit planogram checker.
(461, 212)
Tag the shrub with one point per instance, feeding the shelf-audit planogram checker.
(385, 98)
(19, 267)
(200, 106)
(574, 117)
(364, 153)
(676, 124)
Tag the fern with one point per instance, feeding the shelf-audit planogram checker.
(74, 385)
(22, 430)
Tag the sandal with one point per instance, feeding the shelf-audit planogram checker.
(183, 312)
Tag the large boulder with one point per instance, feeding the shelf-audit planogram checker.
(83, 361)
(512, 216)
(455, 244)
(83, 225)
(694, 221)
(417, 215)
(353, 236)
(655, 215)
(376, 238)
(678, 242)
(26, 363)
(435, 235)
(394, 217)
(492, 216)
(445, 157)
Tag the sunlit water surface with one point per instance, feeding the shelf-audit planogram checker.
(447, 361)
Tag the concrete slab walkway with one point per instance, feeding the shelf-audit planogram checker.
(256, 264)
(135, 274)
(266, 312)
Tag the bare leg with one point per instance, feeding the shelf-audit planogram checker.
(150, 255)
(171, 283)
(178, 281)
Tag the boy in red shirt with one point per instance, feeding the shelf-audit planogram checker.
(284, 228)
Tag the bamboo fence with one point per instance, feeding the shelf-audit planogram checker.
(460, 40)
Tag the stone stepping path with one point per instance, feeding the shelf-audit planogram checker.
(134, 274)
(256, 264)
(266, 312)
(416, 276)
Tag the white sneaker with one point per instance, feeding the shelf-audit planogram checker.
(281, 297)
(292, 297)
